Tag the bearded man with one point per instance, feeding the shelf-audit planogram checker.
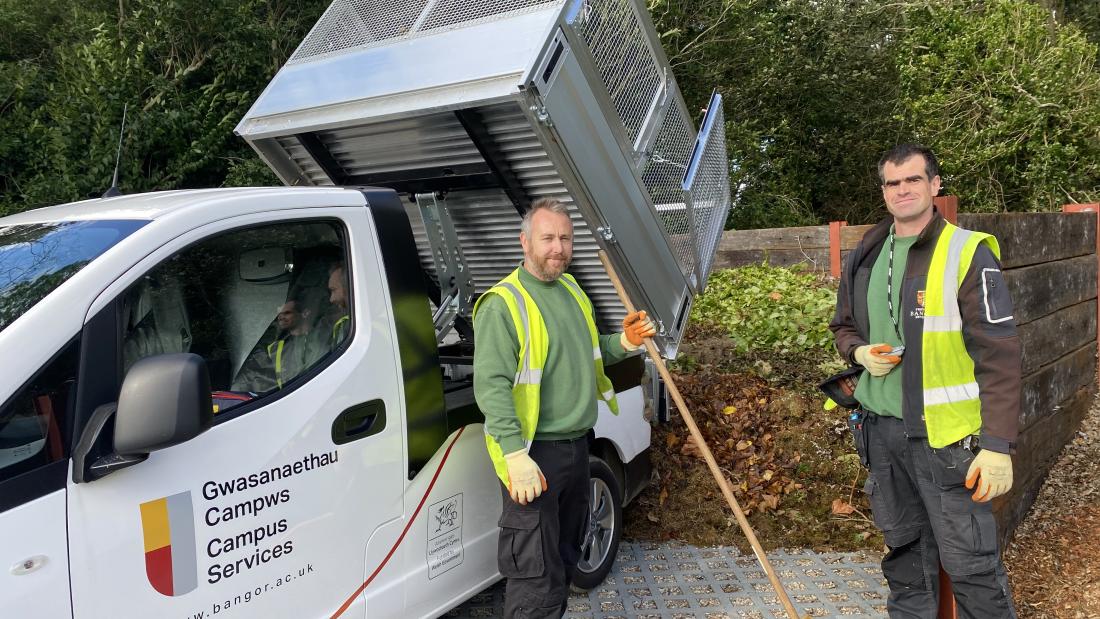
(538, 375)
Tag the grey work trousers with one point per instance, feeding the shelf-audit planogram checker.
(920, 502)
(540, 543)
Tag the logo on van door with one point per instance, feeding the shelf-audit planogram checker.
(168, 526)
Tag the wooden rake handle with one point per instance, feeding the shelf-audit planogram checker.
(651, 348)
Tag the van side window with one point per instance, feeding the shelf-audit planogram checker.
(261, 305)
(34, 423)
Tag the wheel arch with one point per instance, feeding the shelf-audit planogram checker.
(633, 476)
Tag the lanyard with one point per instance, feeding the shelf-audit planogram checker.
(890, 289)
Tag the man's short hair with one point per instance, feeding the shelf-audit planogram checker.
(337, 266)
(549, 204)
(902, 152)
(298, 298)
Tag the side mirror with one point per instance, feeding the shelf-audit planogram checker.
(165, 400)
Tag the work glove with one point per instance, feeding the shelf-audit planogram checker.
(636, 327)
(992, 470)
(525, 479)
(877, 364)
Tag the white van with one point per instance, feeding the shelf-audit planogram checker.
(159, 458)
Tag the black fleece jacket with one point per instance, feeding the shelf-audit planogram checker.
(988, 330)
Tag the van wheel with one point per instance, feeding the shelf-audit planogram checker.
(605, 527)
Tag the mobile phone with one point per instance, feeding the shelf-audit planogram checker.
(896, 351)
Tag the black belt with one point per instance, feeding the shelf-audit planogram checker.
(564, 441)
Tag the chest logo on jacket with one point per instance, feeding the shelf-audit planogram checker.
(918, 311)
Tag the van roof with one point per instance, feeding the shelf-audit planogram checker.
(150, 206)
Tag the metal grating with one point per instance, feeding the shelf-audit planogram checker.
(622, 49)
(358, 24)
(710, 193)
(663, 175)
(447, 13)
(613, 33)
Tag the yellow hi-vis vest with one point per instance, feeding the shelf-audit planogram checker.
(952, 410)
(534, 346)
(275, 352)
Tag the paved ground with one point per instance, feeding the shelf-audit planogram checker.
(676, 581)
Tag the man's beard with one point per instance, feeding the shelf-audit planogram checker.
(544, 270)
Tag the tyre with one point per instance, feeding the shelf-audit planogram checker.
(605, 527)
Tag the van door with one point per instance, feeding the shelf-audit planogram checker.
(269, 512)
(33, 465)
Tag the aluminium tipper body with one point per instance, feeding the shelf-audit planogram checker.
(491, 104)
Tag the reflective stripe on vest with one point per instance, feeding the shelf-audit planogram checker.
(534, 347)
(338, 329)
(278, 357)
(952, 408)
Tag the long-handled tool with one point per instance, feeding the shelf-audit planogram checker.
(707, 455)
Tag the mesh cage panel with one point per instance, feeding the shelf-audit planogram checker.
(710, 193)
(663, 176)
(446, 13)
(618, 43)
(349, 24)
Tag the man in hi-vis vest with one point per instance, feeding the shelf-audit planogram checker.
(538, 374)
(923, 307)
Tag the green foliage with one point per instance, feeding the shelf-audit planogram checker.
(810, 91)
(766, 308)
(816, 91)
(188, 70)
(1083, 13)
(1009, 100)
(1006, 91)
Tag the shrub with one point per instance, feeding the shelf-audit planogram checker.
(768, 308)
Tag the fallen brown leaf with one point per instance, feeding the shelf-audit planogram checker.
(842, 507)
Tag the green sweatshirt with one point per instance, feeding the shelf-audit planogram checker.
(568, 389)
(882, 394)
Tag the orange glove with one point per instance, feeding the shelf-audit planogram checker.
(995, 470)
(636, 327)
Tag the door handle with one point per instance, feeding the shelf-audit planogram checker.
(359, 421)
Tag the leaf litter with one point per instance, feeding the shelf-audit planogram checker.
(789, 463)
(1053, 561)
(800, 483)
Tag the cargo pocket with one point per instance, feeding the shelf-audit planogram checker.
(885, 508)
(880, 509)
(519, 551)
(950, 465)
(996, 305)
(968, 535)
(995, 297)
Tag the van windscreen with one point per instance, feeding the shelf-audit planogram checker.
(36, 258)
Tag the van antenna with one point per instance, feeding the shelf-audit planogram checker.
(114, 190)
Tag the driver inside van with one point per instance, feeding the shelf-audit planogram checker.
(296, 347)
